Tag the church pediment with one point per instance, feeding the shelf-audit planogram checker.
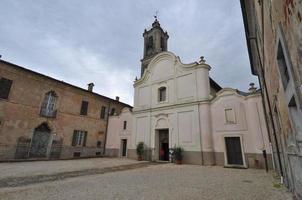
(165, 65)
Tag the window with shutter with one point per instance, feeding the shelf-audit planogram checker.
(85, 139)
(229, 116)
(98, 144)
(5, 86)
(103, 112)
(74, 138)
(79, 138)
(84, 108)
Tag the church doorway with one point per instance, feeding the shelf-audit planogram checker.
(233, 151)
(124, 147)
(40, 142)
(163, 145)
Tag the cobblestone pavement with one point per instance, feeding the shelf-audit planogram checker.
(34, 168)
(165, 181)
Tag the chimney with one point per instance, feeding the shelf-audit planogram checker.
(252, 88)
(117, 98)
(90, 87)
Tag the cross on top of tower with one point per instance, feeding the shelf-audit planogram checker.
(155, 16)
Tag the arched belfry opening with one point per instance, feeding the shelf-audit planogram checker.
(155, 41)
(40, 142)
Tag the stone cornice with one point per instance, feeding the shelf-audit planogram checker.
(206, 101)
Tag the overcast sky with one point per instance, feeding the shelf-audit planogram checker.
(101, 41)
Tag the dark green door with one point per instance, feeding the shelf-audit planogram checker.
(233, 148)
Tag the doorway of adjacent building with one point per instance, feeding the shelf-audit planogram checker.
(163, 136)
(40, 141)
(233, 151)
(124, 147)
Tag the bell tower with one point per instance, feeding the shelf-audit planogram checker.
(155, 41)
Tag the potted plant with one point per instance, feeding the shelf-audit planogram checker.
(140, 148)
(178, 153)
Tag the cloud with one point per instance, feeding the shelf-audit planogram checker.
(83, 66)
(101, 41)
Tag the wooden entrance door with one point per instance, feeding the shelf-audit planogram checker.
(233, 150)
(40, 142)
(124, 147)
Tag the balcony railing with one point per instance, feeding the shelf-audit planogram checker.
(48, 113)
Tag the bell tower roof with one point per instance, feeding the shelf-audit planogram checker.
(156, 23)
(155, 41)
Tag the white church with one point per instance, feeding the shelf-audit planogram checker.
(179, 104)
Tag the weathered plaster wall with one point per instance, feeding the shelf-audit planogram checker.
(249, 125)
(20, 113)
(116, 132)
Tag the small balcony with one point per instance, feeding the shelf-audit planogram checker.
(48, 113)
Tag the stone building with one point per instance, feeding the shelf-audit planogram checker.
(179, 104)
(44, 118)
(274, 40)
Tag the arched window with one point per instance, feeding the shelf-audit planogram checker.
(48, 108)
(150, 42)
(162, 44)
(162, 94)
(149, 47)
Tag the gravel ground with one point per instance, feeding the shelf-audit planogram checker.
(166, 181)
(20, 169)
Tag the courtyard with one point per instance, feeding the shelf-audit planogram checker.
(114, 178)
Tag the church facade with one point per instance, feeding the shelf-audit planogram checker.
(178, 104)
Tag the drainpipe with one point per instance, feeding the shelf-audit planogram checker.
(104, 148)
(263, 144)
(271, 148)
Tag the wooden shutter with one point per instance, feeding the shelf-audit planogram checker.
(84, 108)
(85, 139)
(103, 112)
(5, 86)
(74, 138)
(106, 113)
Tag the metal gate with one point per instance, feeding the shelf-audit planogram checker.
(40, 142)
